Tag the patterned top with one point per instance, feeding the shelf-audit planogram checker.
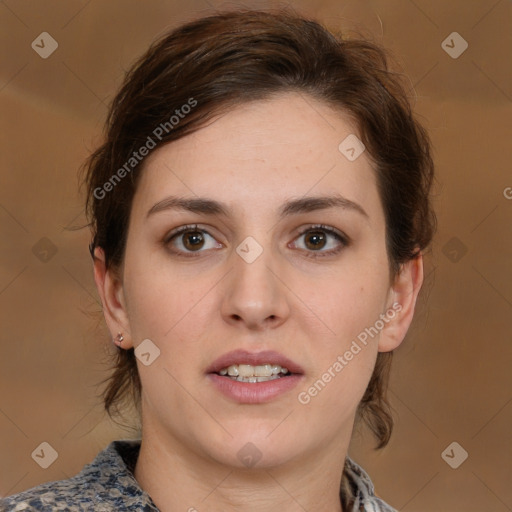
(108, 484)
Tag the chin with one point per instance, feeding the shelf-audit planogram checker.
(259, 448)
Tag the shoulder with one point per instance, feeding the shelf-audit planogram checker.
(362, 489)
(58, 495)
(105, 484)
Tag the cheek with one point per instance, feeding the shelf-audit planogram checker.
(338, 390)
(344, 354)
(349, 307)
(347, 302)
(166, 308)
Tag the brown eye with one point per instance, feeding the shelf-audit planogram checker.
(315, 240)
(321, 241)
(192, 240)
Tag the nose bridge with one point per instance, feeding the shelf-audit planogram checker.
(252, 275)
(255, 295)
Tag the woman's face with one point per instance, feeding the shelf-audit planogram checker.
(257, 277)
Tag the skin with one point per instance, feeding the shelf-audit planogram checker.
(195, 309)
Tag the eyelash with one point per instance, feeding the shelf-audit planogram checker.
(341, 237)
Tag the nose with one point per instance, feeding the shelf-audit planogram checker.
(255, 294)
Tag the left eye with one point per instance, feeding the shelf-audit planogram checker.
(316, 239)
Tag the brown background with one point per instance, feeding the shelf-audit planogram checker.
(451, 379)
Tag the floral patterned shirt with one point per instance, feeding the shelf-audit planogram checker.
(108, 484)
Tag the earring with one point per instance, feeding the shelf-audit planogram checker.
(119, 339)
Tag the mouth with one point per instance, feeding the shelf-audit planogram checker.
(244, 366)
(251, 378)
(253, 374)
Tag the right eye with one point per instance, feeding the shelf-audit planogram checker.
(189, 239)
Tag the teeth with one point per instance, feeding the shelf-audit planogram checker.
(247, 371)
(233, 370)
(257, 379)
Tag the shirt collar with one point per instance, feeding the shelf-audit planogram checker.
(111, 477)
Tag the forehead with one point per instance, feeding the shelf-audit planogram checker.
(261, 152)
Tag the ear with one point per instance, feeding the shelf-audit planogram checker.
(401, 304)
(110, 289)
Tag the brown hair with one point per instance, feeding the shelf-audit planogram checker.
(224, 60)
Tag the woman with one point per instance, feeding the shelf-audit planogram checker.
(260, 209)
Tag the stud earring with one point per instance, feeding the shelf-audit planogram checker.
(119, 339)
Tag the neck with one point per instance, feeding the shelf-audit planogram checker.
(177, 479)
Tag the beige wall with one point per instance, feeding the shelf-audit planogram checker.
(451, 379)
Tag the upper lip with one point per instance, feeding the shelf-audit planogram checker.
(254, 359)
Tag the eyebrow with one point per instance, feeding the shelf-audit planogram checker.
(204, 205)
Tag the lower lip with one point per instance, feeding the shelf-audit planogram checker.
(254, 392)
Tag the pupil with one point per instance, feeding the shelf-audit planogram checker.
(317, 238)
(196, 236)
